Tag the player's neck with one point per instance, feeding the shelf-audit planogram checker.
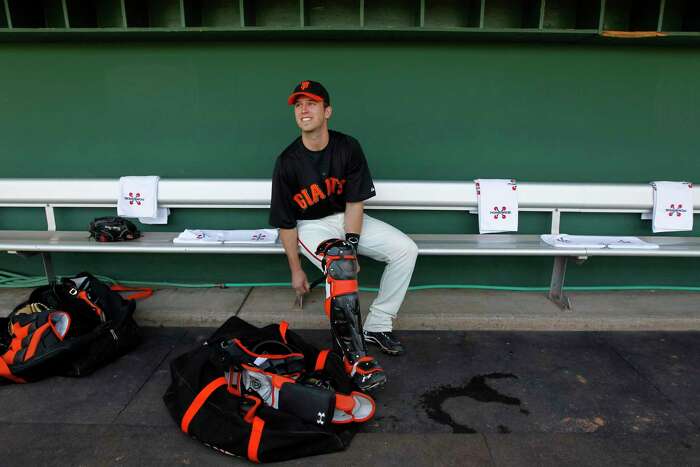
(316, 140)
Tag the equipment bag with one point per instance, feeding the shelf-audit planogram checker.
(68, 328)
(265, 394)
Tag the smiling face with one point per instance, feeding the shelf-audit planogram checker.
(311, 115)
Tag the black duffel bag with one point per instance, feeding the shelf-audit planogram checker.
(69, 328)
(208, 402)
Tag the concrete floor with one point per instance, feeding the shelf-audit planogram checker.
(490, 378)
(459, 310)
(461, 398)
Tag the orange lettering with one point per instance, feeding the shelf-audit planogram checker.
(300, 201)
(316, 193)
(340, 186)
(307, 197)
(329, 186)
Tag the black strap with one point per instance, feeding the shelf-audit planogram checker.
(317, 281)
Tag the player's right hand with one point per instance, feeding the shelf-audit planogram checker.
(299, 282)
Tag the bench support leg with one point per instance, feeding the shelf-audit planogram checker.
(556, 292)
(48, 267)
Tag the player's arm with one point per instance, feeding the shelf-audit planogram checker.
(353, 217)
(289, 238)
(353, 224)
(282, 216)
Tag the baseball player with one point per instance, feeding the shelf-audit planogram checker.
(319, 186)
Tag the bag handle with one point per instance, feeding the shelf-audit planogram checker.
(140, 292)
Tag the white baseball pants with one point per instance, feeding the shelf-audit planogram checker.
(379, 241)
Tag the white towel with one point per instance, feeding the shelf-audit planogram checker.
(197, 236)
(250, 236)
(673, 207)
(239, 237)
(161, 217)
(138, 196)
(596, 241)
(498, 205)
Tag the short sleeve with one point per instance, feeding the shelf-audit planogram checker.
(359, 185)
(281, 207)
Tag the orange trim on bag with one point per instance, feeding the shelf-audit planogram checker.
(19, 332)
(98, 311)
(265, 355)
(199, 401)
(283, 330)
(143, 292)
(250, 415)
(6, 373)
(255, 438)
(321, 360)
(34, 343)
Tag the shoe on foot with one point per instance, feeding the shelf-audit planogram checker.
(386, 341)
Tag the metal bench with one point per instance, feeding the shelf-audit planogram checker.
(554, 198)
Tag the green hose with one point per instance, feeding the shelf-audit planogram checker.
(13, 280)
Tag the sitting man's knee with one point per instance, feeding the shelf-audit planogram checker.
(410, 248)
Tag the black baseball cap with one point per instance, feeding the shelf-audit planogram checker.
(312, 89)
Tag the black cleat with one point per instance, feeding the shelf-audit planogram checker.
(370, 383)
(386, 341)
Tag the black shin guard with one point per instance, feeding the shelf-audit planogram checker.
(342, 306)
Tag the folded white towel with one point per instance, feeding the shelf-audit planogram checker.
(138, 196)
(596, 241)
(498, 205)
(198, 236)
(161, 217)
(250, 236)
(673, 207)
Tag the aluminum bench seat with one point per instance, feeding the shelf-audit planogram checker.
(32, 241)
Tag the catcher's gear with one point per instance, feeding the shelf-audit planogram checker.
(342, 306)
(270, 371)
(113, 229)
(265, 394)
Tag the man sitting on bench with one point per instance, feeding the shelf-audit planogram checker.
(319, 185)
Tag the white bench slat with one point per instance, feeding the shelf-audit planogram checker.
(251, 193)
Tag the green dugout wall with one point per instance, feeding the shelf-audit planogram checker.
(429, 110)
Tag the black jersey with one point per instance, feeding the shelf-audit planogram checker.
(314, 184)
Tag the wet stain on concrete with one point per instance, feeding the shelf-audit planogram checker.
(503, 429)
(476, 389)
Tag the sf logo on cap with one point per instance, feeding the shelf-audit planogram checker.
(304, 85)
